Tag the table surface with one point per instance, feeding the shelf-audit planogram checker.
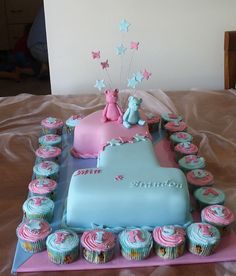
(211, 116)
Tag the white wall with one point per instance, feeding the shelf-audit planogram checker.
(181, 42)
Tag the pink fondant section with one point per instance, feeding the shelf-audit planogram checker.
(225, 252)
(92, 134)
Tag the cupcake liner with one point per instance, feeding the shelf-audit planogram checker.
(51, 195)
(57, 131)
(98, 257)
(70, 130)
(135, 253)
(65, 257)
(169, 252)
(42, 159)
(200, 249)
(33, 247)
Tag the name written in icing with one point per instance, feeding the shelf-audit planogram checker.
(155, 184)
(88, 171)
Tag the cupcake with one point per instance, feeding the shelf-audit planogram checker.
(98, 246)
(51, 125)
(136, 243)
(63, 246)
(186, 148)
(32, 235)
(38, 207)
(152, 121)
(175, 126)
(180, 137)
(207, 196)
(48, 153)
(203, 238)
(170, 117)
(46, 169)
(43, 187)
(50, 140)
(199, 178)
(169, 241)
(219, 216)
(72, 122)
(191, 162)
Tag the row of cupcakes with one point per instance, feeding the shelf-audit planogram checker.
(98, 246)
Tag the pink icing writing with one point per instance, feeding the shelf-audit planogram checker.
(60, 237)
(91, 171)
(135, 236)
(181, 135)
(191, 159)
(38, 201)
(211, 191)
(173, 116)
(46, 166)
(205, 229)
(51, 137)
(119, 177)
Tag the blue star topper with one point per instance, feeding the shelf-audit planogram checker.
(124, 25)
(120, 49)
(138, 76)
(100, 84)
(132, 82)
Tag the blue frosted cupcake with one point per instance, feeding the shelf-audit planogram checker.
(43, 187)
(169, 241)
(63, 246)
(207, 196)
(38, 207)
(191, 162)
(51, 125)
(170, 117)
(203, 239)
(48, 153)
(32, 235)
(136, 243)
(72, 122)
(50, 140)
(46, 169)
(180, 137)
(98, 246)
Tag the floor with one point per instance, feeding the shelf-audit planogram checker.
(29, 85)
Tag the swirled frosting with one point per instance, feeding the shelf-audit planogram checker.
(62, 240)
(50, 139)
(46, 168)
(51, 122)
(176, 126)
(48, 152)
(203, 233)
(192, 162)
(186, 148)
(33, 230)
(74, 120)
(210, 195)
(42, 185)
(169, 235)
(200, 177)
(38, 205)
(217, 214)
(135, 238)
(98, 240)
(169, 117)
(180, 137)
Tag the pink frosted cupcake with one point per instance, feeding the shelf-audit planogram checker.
(48, 153)
(153, 121)
(175, 126)
(186, 148)
(169, 241)
(51, 125)
(98, 246)
(32, 235)
(199, 178)
(219, 216)
(43, 187)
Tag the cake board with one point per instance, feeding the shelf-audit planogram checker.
(27, 262)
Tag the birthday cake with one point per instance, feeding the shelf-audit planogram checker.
(128, 188)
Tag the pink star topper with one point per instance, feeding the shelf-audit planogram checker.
(96, 55)
(134, 45)
(146, 74)
(105, 64)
